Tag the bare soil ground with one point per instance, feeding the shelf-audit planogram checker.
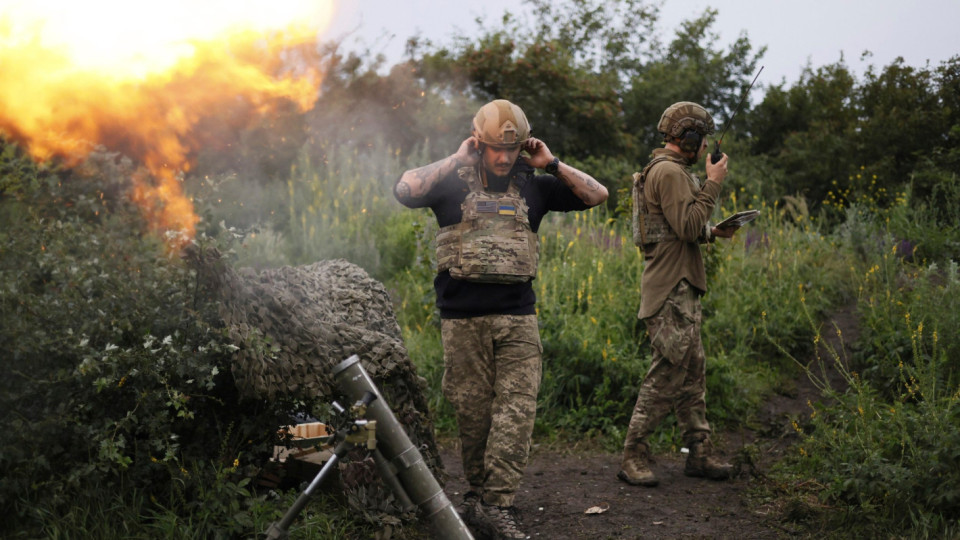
(560, 485)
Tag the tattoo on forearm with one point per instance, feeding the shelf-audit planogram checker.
(586, 185)
(428, 174)
(589, 182)
(422, 180)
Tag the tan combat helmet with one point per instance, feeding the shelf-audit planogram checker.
(683, 116)
(501, 123)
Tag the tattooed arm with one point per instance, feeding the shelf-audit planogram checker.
(416, 183)
(580, 183)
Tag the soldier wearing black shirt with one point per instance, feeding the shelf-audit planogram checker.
(491, 341)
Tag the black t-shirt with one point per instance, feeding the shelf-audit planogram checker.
(459, 299)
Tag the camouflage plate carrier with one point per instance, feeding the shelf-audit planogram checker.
(493, 243)
(648, 228)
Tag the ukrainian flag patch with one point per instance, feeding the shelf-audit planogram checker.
(508, 210)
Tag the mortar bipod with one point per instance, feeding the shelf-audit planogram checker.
(398, 461)
(358, 432)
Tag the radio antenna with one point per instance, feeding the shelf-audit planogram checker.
(717, 155)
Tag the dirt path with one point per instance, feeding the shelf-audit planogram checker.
(559, 487)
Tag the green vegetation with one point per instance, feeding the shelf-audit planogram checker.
(884, 449)
(117, 411)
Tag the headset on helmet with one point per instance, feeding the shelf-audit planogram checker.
(687, 122)
(501, 123)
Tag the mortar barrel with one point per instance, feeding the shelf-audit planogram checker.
(393, 442)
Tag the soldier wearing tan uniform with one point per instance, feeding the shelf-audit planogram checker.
(672, 208)
(489, 202)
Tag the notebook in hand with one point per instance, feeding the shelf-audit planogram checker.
(739, 219)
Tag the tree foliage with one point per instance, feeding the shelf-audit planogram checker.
(593, 77)
(894, 127)
(569, 101)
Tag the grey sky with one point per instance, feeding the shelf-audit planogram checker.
(795, 32)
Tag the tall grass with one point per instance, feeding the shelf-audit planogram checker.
(884, 445)
(337, 205)
(587, 286)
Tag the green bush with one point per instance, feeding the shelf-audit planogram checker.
(883, 444)
(908, 269)
(887, 462)
(115, 378)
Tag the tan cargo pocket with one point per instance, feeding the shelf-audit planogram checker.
(676, 327)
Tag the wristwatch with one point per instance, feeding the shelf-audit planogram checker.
(553, 166)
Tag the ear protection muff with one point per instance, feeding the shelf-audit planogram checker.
(690, 141)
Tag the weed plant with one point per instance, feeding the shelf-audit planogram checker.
(883, 442)
(888, 461)
(336, 205)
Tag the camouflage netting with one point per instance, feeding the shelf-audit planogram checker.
(293, 325)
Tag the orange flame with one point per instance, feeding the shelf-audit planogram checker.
(138, 78)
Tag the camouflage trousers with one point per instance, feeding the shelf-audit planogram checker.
(676, 379)
(492, 369)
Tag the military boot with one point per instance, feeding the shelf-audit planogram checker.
(500, 522)
(702, 463)
(469, 508)
(635, 466)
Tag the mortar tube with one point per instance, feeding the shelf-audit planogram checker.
(392, 441)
